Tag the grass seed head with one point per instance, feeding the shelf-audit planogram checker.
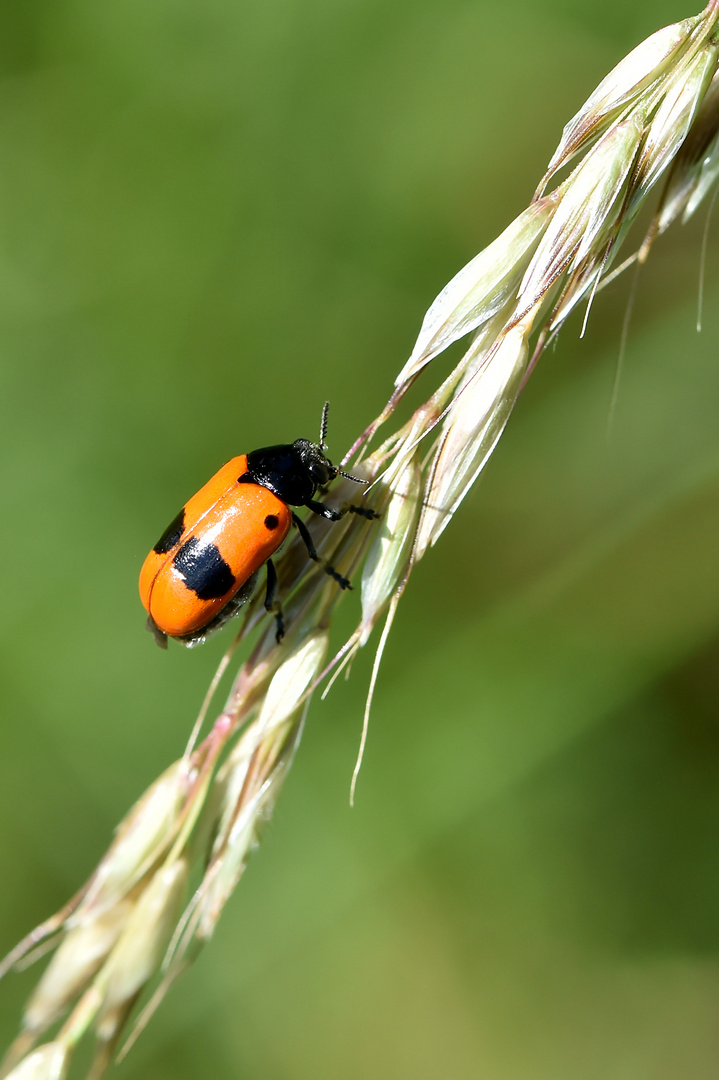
(481, 288)
(141, 838)
(637, 72)
(138, 954)
(48, 1062)
(707, 178)
(228, 788)
(281, 707)
(237, 843)
(252, 777)
(695, 167)
(291, 681)
(589, 210)
(475, 421)
(75, 963)
(391, 545)
(683, 94)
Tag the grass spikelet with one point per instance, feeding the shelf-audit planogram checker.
(48, 1062)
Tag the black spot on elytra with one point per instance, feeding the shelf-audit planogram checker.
(171, 535)
(271, 522)
(203, 569)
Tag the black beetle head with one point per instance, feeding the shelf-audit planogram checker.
(314, 461)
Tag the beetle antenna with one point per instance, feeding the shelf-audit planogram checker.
(349, 476)
(323, 426)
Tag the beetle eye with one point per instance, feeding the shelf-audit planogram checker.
(321, 473)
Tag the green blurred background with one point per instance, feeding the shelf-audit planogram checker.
(215, 214)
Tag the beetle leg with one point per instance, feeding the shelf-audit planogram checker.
(343, 582)
(346, 508)
(322, 511)
(361, 511)
(271, 602)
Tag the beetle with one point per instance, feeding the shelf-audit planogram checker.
(204, 566)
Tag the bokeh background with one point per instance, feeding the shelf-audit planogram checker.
(215, 214)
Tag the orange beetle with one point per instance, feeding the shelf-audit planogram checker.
(203, 566)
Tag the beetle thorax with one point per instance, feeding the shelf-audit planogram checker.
(293, 472)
